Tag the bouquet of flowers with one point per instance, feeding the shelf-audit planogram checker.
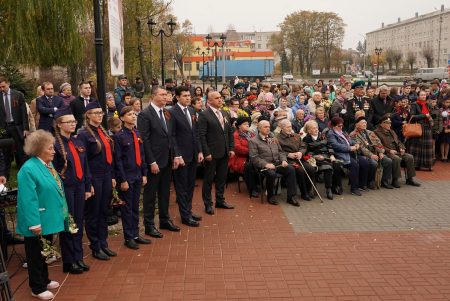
(73, 228)
(116, 200)
(48, 250)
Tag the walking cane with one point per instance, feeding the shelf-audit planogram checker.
(312, 183)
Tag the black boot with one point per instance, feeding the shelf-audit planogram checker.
(329, 193)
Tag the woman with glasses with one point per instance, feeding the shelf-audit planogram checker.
(71, 164)
(99, 151)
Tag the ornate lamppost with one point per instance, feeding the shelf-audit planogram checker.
(215, 44)
(378, 53)
(203, 53)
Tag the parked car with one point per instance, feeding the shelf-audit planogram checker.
(288, 76)
(391, 72)
(428, 74)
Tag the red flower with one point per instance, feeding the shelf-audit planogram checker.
(194, 118)
(15, 103)
(166, 114)
(306, 157)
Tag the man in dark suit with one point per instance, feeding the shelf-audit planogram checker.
(155, 125)
(47, 105)
(216, 137)
(381, 105)
(78, 105)
(187, 152)
(13, 122)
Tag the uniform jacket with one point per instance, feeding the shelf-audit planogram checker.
(96, 160)
(125, 165)
(158, 143)
(40, 200)
(339, 145)
(389, 139)
(119, 92)
(352, 106)
(78, 109)
(215, 140)
(46, 110)
(237, 163)
(263, 152)
(291, 144)
(369, 142)
(185, 138)
(69, 177)
(18, 111)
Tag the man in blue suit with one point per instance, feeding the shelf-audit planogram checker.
(47, 105)
(188, 153)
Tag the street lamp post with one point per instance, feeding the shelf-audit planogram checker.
(203, 53)
(174, 69)
(151, 24)
(215, 44)
(100, 69)
(378, 53)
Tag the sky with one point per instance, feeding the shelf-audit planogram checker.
(361, 16)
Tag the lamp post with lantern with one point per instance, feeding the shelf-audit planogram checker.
(215, 44)
(378, 53)
(203, 53)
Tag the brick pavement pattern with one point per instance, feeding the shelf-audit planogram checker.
(254, 253)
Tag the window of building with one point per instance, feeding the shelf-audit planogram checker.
(187, 66)
(259, 46)
(197, 65)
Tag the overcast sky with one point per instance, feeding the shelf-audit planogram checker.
(361, 16)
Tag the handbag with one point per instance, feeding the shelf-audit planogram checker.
(412, 130)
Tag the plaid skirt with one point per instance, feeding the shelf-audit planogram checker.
(421, 148)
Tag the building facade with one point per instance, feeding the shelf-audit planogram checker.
(429, 31)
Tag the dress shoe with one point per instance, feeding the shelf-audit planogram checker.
(387, 185)
(82, 265)
(255, 194)
(306, 197)
(329, 193)
(412, 182)
(372, 185)
(131, 244)
(224, 205)
(169, 225)
(364, 188)
(72, 268)
(272, 200)
(209, 210)
(100, 255)
(356, 192)
(47, 295)
(153, 232)
(395, 183)
(293, 202)
(337, 190)
(312, 196)
(142, 241)
(196, 217)
(52, 285)
(109, 252)
(190, 222)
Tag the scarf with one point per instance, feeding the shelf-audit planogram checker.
(423, 105)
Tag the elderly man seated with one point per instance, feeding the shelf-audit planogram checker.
(396, 151)
(266, 154)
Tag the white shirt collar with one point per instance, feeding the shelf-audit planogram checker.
(181, 106)
(157, 109)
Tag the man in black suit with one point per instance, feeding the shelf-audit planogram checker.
(78, 105)
(381, 105)
(13, 122)
(187, 152)
(155, 125)
(216, 137)
(47, 105)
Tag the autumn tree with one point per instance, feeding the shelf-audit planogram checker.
(427, 53)
(331, 35)
(411, 60)
(389, 55)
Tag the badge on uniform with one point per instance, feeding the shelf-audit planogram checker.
(80, 149)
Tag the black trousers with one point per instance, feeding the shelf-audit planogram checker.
(216, 171)
(302, 179)
(250, 177)
(288, 173)
(37, 268)
(158, 184)
(184, 180)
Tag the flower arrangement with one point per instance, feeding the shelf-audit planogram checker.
(116, 200)
(73, 228)
(242, 113)
(48, 249)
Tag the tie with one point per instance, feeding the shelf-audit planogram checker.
(219, 115)
(8, 109)
(106, 144)
(163, 122)
(86, 101)
(76, 159)
(49, 99)
(188, 116)
(137, 150)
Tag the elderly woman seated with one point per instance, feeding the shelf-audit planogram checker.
(325, 160)
(240, 162)
(321, 119)
(295, 149)
(346, 150)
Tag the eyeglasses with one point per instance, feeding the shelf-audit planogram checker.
(96, 113)
(339, 126)
(69, 122)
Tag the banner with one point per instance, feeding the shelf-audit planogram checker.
(116, 41)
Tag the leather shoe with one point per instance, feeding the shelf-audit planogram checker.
(100, 255)
(312, 196)
(196, 217)
(272, 201)
(82, 265)
(169, 225)
(109, 252)
(412, 182)
(224, 205)
(190, 222)
(293, 202)
(131, 244)
(306, 197)
(337, 190)
(387, 185)
(329, 193)
(395, 183)
(153, 232)
(356, 192)
(255, 194)
(142, 241)
(372, 185)
(72, 268)
(209, 210)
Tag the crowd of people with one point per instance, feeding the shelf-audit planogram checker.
(71, 167)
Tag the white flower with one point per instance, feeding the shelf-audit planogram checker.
(445, 114)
